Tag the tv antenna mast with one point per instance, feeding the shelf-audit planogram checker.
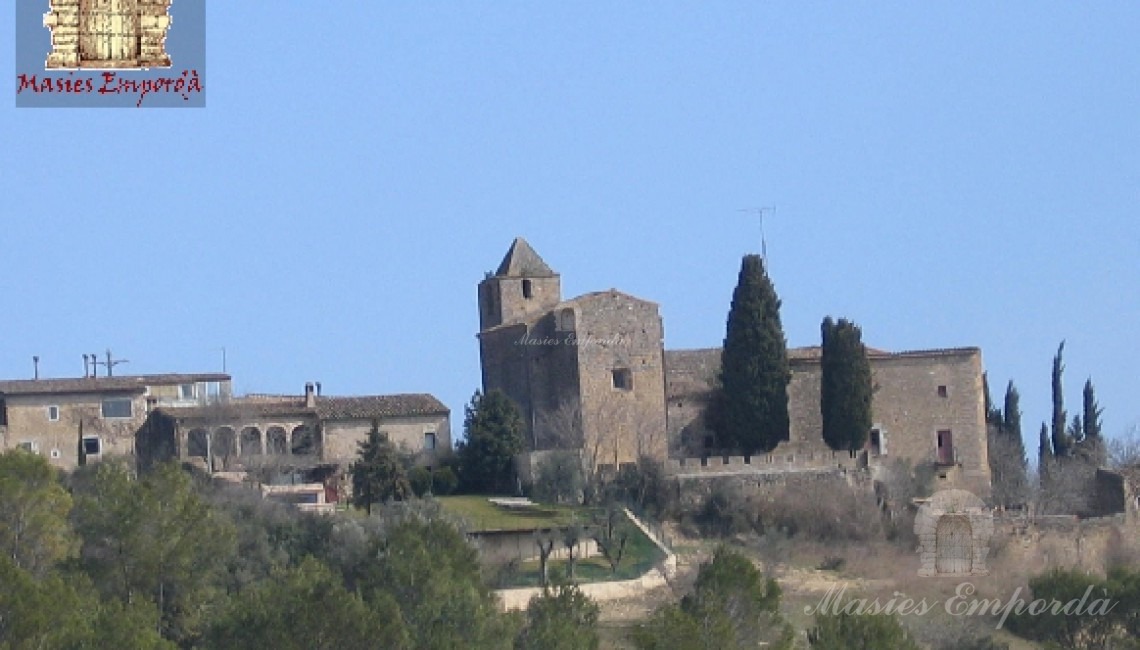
(761, 212)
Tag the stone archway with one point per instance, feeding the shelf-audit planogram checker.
(198, 444)
(303, 441)
(251, 441)
(276, 441)
(223, 448)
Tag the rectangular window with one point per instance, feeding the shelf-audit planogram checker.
(214, 389)
(53, 413)
(528, 292)
(622, 379)
(429, 440)
(188, 391)
(943, 392)
(92, 446)
(117, 408)
(30, 446)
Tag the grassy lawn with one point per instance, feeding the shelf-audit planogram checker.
(482, 515)
(641, 554)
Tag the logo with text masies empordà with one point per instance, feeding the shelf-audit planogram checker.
(110, 53)
(954, 528)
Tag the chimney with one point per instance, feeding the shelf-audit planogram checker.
(86, 369)
(36, 363)
(318, 389)
(310, 397)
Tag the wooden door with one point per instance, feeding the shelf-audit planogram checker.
(109, 32)
(953, 540)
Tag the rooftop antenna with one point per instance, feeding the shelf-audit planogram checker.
(763, 241)
(109, 364)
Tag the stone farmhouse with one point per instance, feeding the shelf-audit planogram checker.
(592, 374)
(44, 416)
(298, 432)
(195, 418)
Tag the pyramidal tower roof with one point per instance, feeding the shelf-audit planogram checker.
(522, 261)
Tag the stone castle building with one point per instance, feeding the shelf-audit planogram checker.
(587, 373)
(592, 373)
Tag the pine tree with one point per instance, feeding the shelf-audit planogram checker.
(1060, 442)
(845, 385)
(378, 475)
(752, 414)
(493, 429)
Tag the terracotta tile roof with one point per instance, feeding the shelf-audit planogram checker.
(327, 408)
(377, 406)
(124, 384)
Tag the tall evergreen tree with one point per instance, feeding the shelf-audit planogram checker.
(1011, 414)
(378, 475)
(1060, 442)
(1044, 456)
(752, 413)
(845, 385)
(1092, 412)
(493, 429)
(993, 413)
(1008, 463)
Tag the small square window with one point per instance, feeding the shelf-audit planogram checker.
(55, 454)
(53, 413)
(92, 446)
(188, 391)
(622, 379)
(943, 392)
(429, 440)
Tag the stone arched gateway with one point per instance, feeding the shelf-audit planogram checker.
(108, 33)
(954, 528)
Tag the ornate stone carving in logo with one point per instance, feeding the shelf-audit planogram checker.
(108, 34)
(954, 528)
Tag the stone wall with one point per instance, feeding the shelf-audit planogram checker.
(342, 438)
(1042, 543)
(621, 373)
(916, 396)
(58, 440)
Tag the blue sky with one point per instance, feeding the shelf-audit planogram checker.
(945, 174)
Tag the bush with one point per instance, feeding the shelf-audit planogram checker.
(558, 478)
(445, 481)
(421, 480)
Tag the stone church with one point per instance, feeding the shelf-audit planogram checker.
(591, 373)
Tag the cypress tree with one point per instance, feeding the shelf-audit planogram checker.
(1060, 443)
(753, 410)
(1044, 456)
(493, 427)
(845, 386)
(993, 413)
(1011, 414)
(1092, 412)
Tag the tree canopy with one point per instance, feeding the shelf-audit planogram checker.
(751, 410)
(845, 385)
(493, 428)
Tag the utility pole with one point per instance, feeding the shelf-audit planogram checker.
(763, 241)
